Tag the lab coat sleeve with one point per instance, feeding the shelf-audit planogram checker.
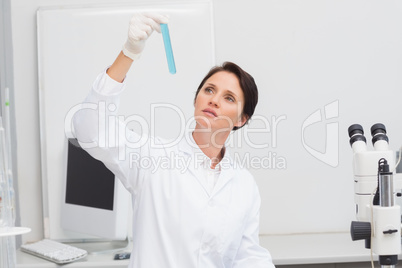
(250, 253)
(102, 135)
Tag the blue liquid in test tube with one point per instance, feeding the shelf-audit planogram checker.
(168, 48)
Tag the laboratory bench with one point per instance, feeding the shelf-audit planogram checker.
(325, 250)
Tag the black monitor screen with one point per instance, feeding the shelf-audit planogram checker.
(89, 182)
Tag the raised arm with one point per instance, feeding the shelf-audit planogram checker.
(91, 121)
(140, 28)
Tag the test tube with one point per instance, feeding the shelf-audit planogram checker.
(168, 48)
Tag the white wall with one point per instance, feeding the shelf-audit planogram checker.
(304, 55)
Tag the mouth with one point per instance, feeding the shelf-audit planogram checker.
(210, 112)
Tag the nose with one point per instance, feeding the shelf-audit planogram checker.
(214, 101)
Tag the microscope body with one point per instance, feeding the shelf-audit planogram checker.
(378, 222)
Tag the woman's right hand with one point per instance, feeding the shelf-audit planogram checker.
(141, 27)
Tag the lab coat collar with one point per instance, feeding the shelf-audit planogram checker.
(189, 147)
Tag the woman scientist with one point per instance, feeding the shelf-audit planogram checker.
(206, 216)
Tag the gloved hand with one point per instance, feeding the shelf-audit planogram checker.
(141, 27)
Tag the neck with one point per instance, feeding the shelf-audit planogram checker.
(211, 144)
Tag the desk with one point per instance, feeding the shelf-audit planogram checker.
(315, 248)
(285, 250)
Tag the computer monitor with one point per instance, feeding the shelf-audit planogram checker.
(95, 202)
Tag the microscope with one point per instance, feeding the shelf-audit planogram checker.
(378, 217)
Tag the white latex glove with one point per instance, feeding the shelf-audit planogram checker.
(141, 27)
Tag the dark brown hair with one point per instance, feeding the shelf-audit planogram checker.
(246, 82)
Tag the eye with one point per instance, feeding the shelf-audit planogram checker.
(208, 90)
(230, 98)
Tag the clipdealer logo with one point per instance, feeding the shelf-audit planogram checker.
(115, 133)
(331, 154)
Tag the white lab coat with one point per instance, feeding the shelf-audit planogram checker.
(177, 222)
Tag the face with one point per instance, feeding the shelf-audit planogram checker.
(219, 103)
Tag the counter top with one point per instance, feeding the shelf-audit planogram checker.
(315, 248)
(285, 250)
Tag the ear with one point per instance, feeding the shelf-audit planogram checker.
(242, 120)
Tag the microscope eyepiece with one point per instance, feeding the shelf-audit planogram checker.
(356, 134)
(379, 132)
(378, 128)
(355, 129)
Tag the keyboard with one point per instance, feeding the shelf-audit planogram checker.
(54, 251)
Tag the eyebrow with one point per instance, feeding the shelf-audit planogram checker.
(227, 90)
